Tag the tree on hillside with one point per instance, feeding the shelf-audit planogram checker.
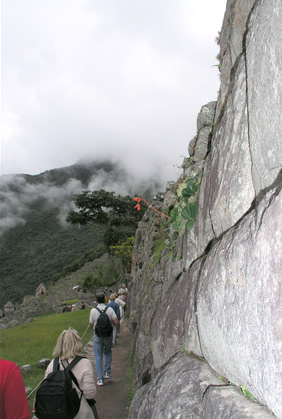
(105, 274)
(123, 250)
(116, 212)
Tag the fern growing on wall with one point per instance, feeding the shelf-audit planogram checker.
(185, 209)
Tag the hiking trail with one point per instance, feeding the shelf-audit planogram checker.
(111, 398)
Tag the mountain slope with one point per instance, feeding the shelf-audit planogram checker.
(35, 242)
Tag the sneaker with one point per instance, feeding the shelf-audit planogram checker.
(108, 375)
(100, 383)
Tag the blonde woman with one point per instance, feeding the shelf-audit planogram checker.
(69, 345)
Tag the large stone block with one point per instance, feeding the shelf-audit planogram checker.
(228, 192)
(240, 303)
(188, 388)
(201, 148)
(142, 360)
(174, 324)
(176, 392)
(264, 64)
(231, 45)
(227, 402)
(206, 115)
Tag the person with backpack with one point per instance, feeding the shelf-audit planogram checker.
(68, 390)
(101, 320)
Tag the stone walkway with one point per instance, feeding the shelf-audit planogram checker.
(111, 398)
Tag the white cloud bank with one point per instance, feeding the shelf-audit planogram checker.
(94, 79)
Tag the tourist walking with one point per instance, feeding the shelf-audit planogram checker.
(122, 294)
(115, 307)
(102, 345)
(69, 345)
(122, 305)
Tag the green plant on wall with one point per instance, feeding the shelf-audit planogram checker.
(183, 350)
(164, 245)
(246, 393)
(159, 247)
(185, 210)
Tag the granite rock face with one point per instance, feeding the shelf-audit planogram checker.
(176, 392)
(239, 303)
(231, 45)
(227, 402)
(216, 291)
(189, 388)
(229, 187)
(175, 324)
(264, 63)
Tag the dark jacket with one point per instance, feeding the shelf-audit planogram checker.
(115, 307)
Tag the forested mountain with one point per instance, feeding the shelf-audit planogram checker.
(36, 243)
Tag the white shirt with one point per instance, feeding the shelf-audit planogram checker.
(94, 314)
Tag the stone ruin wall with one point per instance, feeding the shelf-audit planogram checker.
(206, 316)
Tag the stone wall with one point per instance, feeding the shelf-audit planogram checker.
(206, 306)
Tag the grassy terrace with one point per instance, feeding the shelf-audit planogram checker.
(27, 343)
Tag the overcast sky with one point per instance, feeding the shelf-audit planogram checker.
(123, 79)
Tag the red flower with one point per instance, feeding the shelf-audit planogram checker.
(138, 206)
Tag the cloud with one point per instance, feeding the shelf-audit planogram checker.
(122, 80)
(17, 193)
(12, 208)
(10, 221)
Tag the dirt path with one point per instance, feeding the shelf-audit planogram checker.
(111, 401)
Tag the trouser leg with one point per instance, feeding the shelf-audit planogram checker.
(114, 334)
(108, 354)
(98, 355)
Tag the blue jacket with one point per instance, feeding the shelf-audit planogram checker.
(115, 307)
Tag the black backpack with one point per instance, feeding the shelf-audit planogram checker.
(56, 397)
(103, 327)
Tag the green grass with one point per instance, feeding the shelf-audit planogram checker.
(27, 343)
